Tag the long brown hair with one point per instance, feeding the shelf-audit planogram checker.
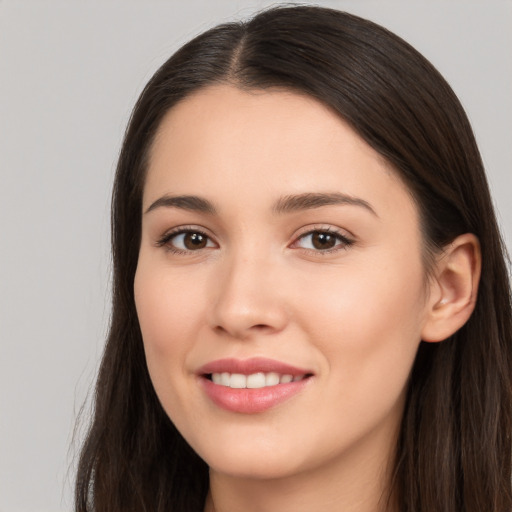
(454, 451)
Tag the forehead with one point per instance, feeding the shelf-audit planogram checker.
(262, 143)
(225, 110)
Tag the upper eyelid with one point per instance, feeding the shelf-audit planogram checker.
(329, 228)
(187, 229)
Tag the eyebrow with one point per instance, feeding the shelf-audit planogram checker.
(192, 203)
(286, 204)
(311, 200)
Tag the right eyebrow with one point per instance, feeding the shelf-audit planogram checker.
(192, 203)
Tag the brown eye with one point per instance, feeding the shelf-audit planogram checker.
(186, 241)
(193, 241)
(323, 241)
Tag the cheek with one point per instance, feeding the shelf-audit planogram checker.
(167, 308)
(369, 325)
(168, 311)
(368, 333)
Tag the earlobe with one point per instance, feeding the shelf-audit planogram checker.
(454, 288)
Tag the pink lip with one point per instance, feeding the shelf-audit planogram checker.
(253, 365)
(250, 401)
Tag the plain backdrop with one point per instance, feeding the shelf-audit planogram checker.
(70, 72)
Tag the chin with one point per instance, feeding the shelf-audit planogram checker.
(256, 460)
(255, 469)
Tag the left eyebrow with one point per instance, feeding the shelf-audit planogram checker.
(310, 200)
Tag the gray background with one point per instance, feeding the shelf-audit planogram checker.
(70, 72)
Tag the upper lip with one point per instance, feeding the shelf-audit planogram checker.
(250, 366)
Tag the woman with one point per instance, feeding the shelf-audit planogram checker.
(311, 306)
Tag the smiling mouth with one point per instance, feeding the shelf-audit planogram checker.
(254, 380)
(254, 385)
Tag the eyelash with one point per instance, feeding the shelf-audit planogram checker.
(165, 240)
(343, 242)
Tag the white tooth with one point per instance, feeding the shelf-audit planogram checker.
(271, 379)
(297, 378)
(225, 378)
(216, 378)
(238, 381)
(256, 380)
(285, 379)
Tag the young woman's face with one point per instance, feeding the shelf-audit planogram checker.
(277, 246)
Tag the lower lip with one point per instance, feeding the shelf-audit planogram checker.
(251, 401)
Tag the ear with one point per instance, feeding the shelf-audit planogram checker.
(453, 288)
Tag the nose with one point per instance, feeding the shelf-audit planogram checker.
(248, 299)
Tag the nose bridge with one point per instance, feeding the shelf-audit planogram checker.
(248, 297)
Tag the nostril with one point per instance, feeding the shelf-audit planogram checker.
(221, 330)
(241, 332)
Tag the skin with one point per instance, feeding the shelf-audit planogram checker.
(354, 316)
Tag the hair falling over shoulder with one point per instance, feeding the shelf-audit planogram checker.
(454, 451)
